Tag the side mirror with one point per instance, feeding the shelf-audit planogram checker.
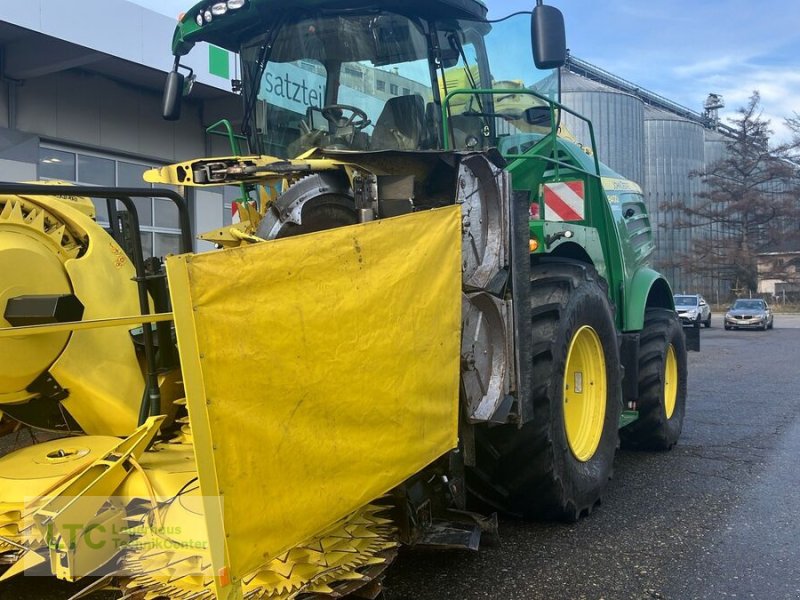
(538, 116)
(173, 93)
(548, 38)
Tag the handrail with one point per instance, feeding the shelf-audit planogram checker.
(234, 142)
(232, 137)
(553, 105)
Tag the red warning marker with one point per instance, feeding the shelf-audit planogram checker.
(564, 201)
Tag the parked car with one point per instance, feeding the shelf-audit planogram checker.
(692, 309)
(749, 313)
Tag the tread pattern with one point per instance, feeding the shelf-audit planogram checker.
(530, 471)
(653, 431)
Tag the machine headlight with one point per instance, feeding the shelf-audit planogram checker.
(234, 4)
(208, 16)
(199, 20)
(219, 9)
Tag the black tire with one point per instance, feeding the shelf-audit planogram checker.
(531, 471)
(654, 429)
(707, 324)
(727, 327)
(323, 200)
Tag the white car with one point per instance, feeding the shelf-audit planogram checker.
(692, 309)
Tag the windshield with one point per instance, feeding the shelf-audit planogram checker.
(748, 305)
(363, 81)
(685, 300)
(499, 119)
(349, 81)
(511, 59)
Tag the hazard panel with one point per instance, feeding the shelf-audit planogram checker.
(321, 371)
(564, 201)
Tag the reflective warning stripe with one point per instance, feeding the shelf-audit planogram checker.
(564, 201)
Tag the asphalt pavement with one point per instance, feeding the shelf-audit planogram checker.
(715, 518)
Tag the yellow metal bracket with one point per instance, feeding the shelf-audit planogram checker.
(235, 169)
(83, 525)
(87, 324)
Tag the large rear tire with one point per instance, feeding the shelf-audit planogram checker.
(557, 465)
(662, 383)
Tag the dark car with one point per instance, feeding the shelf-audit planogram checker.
(749, 313)
(692, 309)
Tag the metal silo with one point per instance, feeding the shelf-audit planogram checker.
(714, 146)
(617, 118)
(715, 150)
(674, 148)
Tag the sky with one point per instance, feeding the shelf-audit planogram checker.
(680, 49)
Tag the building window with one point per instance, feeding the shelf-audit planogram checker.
(380, 85)
(158, 218)
(406, 91)
(393, 88)
(56, 164)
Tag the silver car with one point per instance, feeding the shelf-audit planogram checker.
(692, 309)
(749, 313)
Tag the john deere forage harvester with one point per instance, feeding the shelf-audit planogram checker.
(436, 303)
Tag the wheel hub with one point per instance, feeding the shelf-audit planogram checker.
(584, 393)
(670, 381)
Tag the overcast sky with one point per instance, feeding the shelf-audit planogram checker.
(681, 49)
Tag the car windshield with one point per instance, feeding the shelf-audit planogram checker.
(685, 300)
(748, 305)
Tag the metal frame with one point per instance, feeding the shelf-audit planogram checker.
(151, 401)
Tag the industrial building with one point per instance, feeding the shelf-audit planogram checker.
(657, 143)
(81, 102)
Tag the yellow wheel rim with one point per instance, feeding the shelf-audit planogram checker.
(585, 388)
(670, 382)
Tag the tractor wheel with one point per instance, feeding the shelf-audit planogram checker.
(314, 203)
(662, 383)
(557, 465)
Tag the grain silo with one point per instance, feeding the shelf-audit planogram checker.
(674, 150)
(717, 288)
(617, 118)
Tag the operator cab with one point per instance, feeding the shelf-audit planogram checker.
(372, 76)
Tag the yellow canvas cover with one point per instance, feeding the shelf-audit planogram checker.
(321, 371)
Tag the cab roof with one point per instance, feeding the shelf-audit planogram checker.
(231, 29)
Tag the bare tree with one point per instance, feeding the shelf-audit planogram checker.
(749, 201)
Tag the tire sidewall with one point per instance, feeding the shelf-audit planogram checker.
(674, 424)
(588, 305)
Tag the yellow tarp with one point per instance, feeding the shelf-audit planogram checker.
(321, 371)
